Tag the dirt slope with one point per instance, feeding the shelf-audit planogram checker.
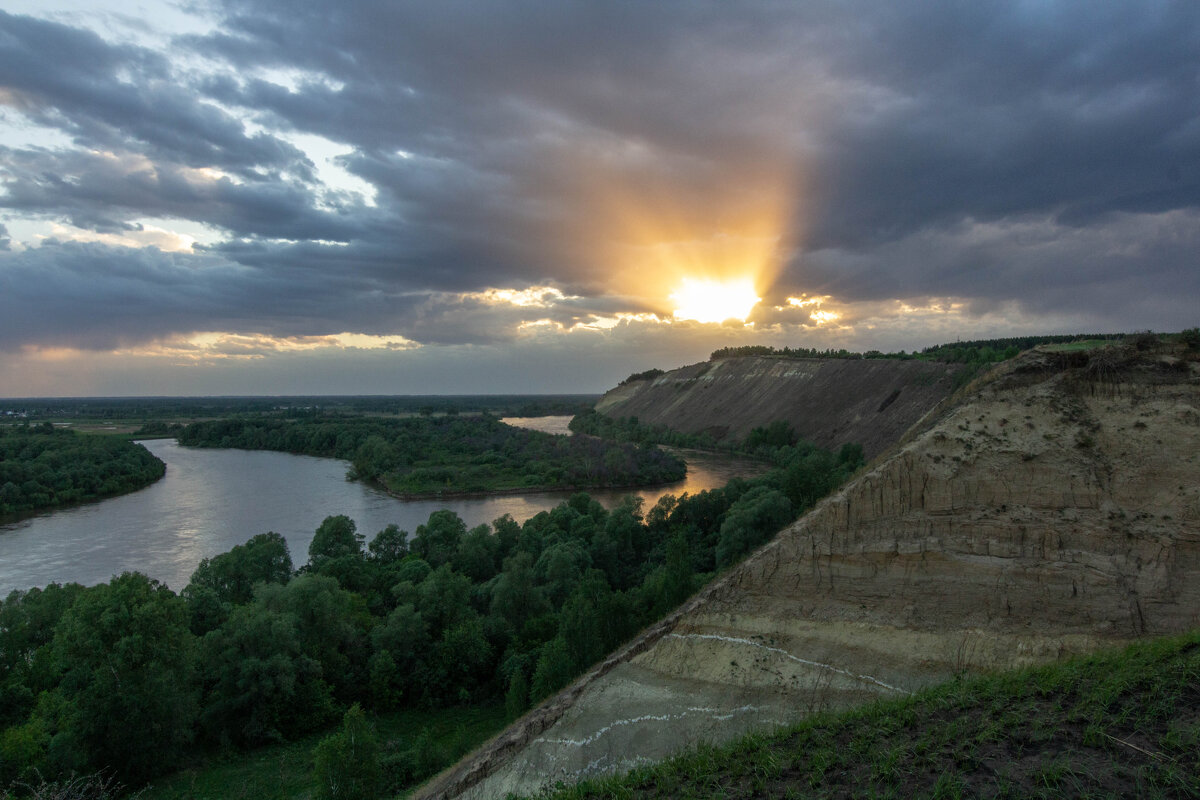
(828, 401)
(1053, 511)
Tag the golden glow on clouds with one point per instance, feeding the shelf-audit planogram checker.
(539, 296)
(714, 300)
(594, 323)
(215, 345)
(817, 315)
(148, 236)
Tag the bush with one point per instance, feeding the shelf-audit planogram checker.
(346, 763)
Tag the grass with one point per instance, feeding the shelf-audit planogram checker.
(284, 771)
(1073, 347)
(1123, 724)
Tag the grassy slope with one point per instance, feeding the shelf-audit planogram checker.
(284, 771)
(1123, 724)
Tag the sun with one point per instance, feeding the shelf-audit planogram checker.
(715, 301)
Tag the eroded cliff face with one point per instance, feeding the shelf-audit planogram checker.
(827, 401)
(1054, 511)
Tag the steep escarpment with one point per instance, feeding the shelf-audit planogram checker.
(1055, 510)
(827, 401)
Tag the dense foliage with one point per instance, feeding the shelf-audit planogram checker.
(44, 467)
(428, 456)
(126, 675)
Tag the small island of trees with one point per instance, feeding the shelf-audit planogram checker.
(440, 456)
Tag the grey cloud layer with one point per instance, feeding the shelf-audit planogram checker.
(1046, 153)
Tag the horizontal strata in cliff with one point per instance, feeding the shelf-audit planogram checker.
(827, 401)
(1054, 510)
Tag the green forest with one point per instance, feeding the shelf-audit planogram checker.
(44, 467)
(130, 677)
(429, 456)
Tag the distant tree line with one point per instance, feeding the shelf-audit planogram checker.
(159, 408)
(435, 455)
(127, 675)
(975, 351)
(43, 467)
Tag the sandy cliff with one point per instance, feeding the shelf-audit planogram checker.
(1054, 510)
(828, 401)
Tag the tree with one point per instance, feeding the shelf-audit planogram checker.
(336, 536)
(560, 567)
(753, 519)
(515, 596)
(346, 764)
(462, 661)
(390, 544)
(594, 620)
(229, 579)
(126, 657)
(437, 540)
(261, 685)
(401, 648)
(332, 625)
(555, 669)
(478, 555)
(444, 599)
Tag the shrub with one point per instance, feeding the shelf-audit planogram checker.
(346, 763)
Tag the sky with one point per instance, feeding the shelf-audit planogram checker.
(500, 196)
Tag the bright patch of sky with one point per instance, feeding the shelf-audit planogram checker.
(17, 131)
(150, 24)
(326, 156)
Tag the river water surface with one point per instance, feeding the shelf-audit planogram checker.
(211, 500)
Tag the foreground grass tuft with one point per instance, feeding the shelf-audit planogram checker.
(1123, 724)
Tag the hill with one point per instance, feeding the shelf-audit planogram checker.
(1052, 509)
(828, 401)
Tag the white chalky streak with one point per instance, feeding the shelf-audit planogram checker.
(727, 714)
(786, 654)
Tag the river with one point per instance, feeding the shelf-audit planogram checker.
(211, 500)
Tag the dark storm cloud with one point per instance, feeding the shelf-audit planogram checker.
(93, 296)
(1042, 153)
(905, 117)
(114, 96)
(98, 191)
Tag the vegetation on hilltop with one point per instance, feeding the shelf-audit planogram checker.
(985, 351)
(130, 677)
(42, 467)
(439, 455)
